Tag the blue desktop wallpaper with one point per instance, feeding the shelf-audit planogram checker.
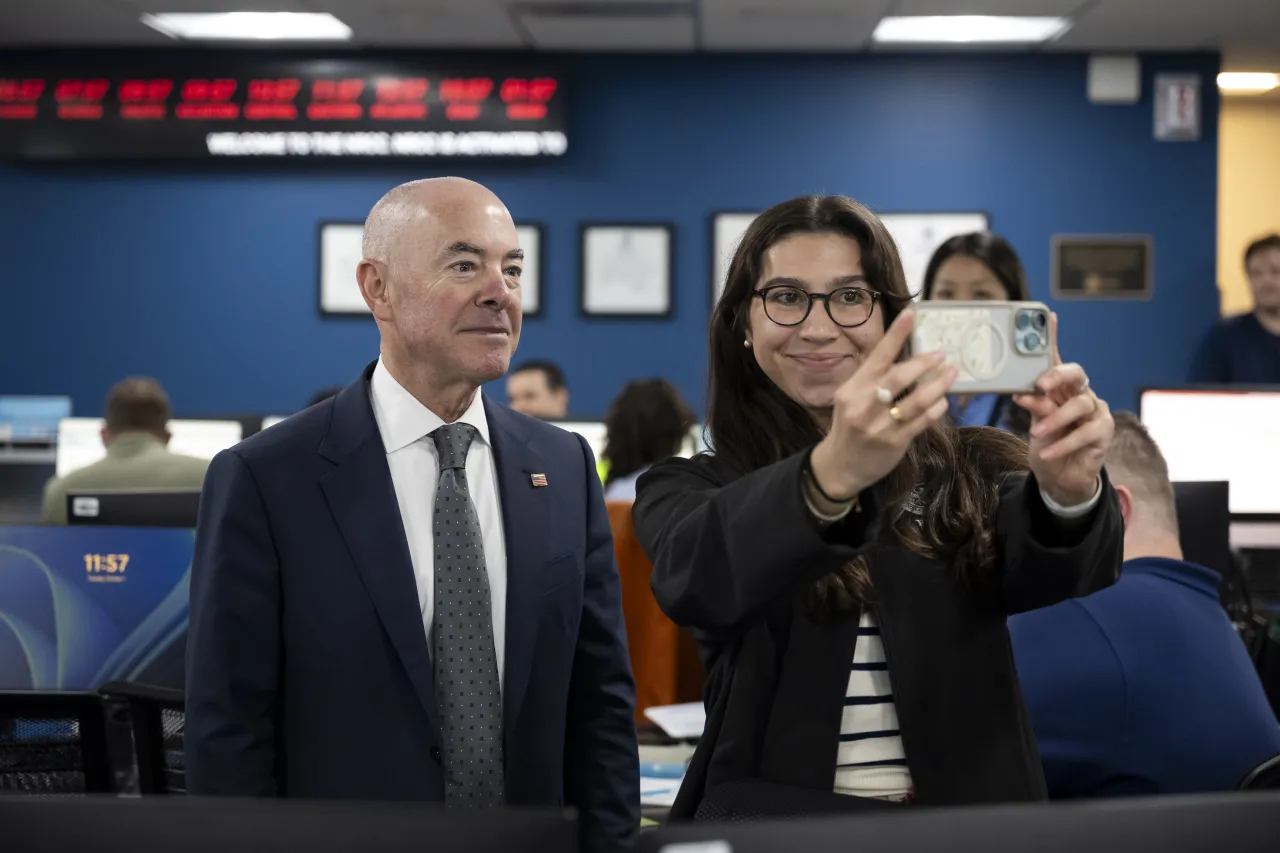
(80, 606)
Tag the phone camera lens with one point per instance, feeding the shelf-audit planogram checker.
(1031, 342)
(1024, 320)
(1041, 320)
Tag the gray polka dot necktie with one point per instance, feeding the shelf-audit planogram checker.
(466, 664)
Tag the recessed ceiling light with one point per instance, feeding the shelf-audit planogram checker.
(968, 29)
(250, 26)
(1247, 81)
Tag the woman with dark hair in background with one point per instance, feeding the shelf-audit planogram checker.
(979, 266)
(647, 422)
(846, 557)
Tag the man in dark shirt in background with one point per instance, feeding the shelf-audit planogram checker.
(1144, 687)
(1245, 350)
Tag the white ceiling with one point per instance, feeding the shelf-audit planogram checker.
(1247, 31)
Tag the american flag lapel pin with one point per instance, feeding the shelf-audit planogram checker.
(538, 480)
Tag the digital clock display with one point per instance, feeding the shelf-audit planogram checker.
(288, 108)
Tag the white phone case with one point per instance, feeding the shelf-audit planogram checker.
(982, 340)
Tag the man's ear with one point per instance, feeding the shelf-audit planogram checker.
(1126, 503)
(372, 278)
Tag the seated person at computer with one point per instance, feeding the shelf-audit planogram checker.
(537, 389)
(848, 557)
(136, 436)
(1144, 687)
(1245, 350)
(647, 422)
(979, 266)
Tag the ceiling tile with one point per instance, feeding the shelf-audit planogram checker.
(1028, 8)
(618, 33)
(75, 22)
(477, 24)
(789, 25)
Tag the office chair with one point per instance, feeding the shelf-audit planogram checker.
(158, 718)
(53, 743)
(1265, 775)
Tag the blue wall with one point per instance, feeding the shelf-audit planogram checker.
(207, 280)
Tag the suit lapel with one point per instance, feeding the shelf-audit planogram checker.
(362, 499)
(525, 520)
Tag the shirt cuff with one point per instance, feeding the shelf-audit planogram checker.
(1076, 511)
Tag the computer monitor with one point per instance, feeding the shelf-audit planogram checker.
(1220, 435)
(592, 431)
(1239, 821)
(32, 420)
(80, 440)
(22, 490)
(1204, 523)
(220, 824)
(133, 507)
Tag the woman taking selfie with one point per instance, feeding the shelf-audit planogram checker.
(979, 267)
(846, 558)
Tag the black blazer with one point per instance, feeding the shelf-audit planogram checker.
(733, 557)
(309, 671)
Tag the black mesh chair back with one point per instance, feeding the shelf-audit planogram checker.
(1265, 776)
(158, 719)
(53, 743)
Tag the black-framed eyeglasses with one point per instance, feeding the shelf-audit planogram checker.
(788, 305)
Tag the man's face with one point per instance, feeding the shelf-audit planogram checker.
(1264, 279)
(530, 394)
(453, 289)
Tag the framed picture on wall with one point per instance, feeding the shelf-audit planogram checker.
(727, 228)
(341, 250)
(1102, 266)
(340, 253)
(627, 270)
(530, 235)
(919, 235)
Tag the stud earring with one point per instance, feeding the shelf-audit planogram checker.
(747, 343)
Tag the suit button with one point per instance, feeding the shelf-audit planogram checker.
(435, 753)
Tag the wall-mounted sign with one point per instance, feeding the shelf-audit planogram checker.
(1177, 107)
(1102, 266)
(241, 108)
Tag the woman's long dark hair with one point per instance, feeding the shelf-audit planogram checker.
(646, 423)
(941, 498)
(993, 251)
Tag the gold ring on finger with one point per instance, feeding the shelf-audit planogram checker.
(896, 414)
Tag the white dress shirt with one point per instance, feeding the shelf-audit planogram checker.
(406, 426)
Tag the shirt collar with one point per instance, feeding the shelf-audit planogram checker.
(402, 420)
(128, 444)
(1192, 575)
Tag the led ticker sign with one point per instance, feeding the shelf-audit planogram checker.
(285, 109)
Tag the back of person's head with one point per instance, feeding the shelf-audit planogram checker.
(975, 266)
(137, 404)
(1269, 243)
(647, 422)
(1140, 475)
(537, 388)
(323, 394)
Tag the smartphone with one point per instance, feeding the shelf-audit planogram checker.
(998, 347)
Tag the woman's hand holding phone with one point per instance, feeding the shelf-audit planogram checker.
(871, 428)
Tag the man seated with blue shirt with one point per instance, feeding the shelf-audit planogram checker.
(1144, 687)
(1245, 350)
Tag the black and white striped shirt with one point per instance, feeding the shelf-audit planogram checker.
(870, 761)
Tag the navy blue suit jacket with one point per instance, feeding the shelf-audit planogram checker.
(309, 673)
